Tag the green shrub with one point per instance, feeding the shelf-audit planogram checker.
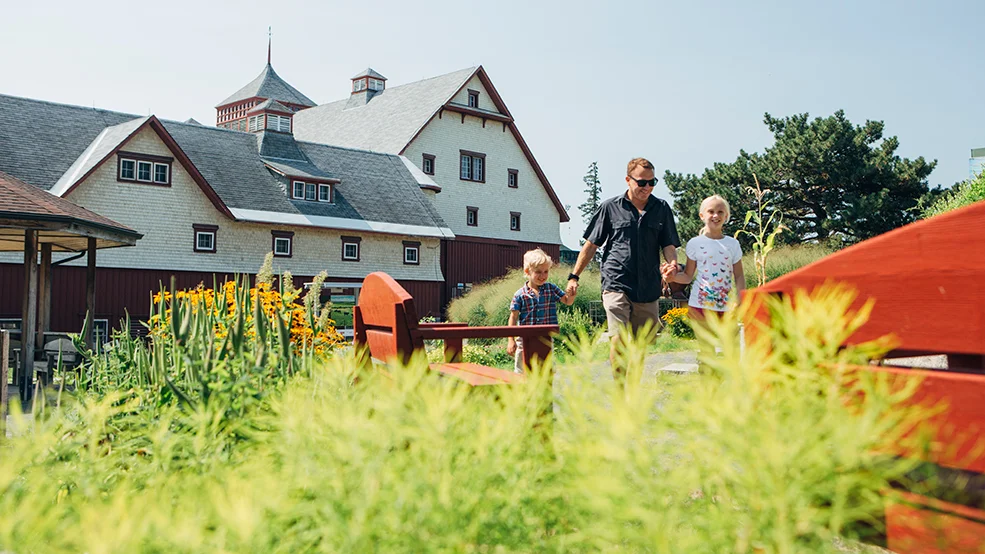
(766, 456)
(677, 321)
(962, 194)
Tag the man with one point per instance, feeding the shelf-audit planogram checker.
(634, 228)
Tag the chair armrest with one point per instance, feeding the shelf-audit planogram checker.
(443, 325)
(522, 331)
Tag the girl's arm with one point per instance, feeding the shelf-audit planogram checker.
(740, 277)
(687, 275)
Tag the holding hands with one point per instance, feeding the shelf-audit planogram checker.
(668, 271)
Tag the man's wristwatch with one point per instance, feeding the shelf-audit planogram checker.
(572, 276)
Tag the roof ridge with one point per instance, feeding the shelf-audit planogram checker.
(395, 87)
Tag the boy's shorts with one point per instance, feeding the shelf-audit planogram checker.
(621, 311)
(518, 358)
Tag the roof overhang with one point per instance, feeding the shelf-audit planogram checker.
(341, 223)
(64, 234)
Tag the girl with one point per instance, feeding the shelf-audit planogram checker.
(715, 258)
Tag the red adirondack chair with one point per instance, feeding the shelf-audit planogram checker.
(928, 282)
(386, 323)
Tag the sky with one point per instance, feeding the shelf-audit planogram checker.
(684, 84)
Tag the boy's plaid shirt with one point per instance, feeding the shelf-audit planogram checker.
(537, 309)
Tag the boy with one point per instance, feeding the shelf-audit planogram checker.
(536, 301)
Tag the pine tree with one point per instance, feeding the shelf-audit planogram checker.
(593, 190)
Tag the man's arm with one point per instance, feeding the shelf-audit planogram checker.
(669, 269)
(584, 257)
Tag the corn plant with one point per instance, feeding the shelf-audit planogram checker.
(766, 228)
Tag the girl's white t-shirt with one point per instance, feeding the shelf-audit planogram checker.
(713, 275)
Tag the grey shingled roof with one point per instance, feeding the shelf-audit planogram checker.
(269, 85)
(270, 105)
(272, 144)
(41, 141)
(298, 168)
(368, 72)
(387, 122)
(375, 187)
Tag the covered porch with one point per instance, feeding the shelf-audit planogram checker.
(39, 224)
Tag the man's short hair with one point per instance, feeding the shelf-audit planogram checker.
(638, 162)
(536, 258)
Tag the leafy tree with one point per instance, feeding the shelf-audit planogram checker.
(834, 182)
(593, 191)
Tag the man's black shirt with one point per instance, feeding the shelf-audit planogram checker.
(632, 245)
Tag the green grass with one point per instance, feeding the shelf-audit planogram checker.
(760, 454)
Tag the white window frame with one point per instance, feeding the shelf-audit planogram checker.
(294, 190)
(475, 96)
(424, 166)
(417, 254)
(133, 169)
(477, 169)
(345, 246)
(284, 240)
(465, 168)
(472, 217)
(167, 171)
(514, 218)
(321, 188)
(150, 171)
(313, 189)
(198, 244)
(359, 85)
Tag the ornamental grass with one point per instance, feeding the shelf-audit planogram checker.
(763, 454)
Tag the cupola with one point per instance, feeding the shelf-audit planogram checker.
(365, 86)
(270, 115)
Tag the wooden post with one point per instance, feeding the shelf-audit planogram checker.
(90, 292)
(29, 319)
(4, 354)
(44, 293)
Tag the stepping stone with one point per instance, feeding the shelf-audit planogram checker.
(680, 368)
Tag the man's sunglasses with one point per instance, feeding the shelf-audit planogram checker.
(645, 182)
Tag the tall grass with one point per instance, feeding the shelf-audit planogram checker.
(783, 260)
(764, 454)
(489, 303)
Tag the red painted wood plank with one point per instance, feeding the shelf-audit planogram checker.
(500, 375)
(929, 526)
(928, 285)
(469, 377)
(958, 440)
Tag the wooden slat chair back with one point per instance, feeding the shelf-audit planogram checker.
(385, 322)
(928, 282)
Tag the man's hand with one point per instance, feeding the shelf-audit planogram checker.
(572, 288)
(668, 271)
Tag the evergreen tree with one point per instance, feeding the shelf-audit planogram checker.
(593, 191)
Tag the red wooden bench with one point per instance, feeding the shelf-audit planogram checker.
(386, 323)
(928, 282)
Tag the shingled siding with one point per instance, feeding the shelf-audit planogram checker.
(166, 215)
(444, 137)
(128, 291)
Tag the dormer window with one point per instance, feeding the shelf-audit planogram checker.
(312, 192)
(256, 123)
(359, 85)
(375, 84)
(280, 123)
(473, 98)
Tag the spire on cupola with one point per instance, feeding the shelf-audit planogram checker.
(232, 113)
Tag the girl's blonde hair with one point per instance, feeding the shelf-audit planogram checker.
(709, 200)
(536, 258)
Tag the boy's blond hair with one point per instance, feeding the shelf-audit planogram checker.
(536, 258)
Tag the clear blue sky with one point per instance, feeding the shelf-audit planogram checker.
(682, 83)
